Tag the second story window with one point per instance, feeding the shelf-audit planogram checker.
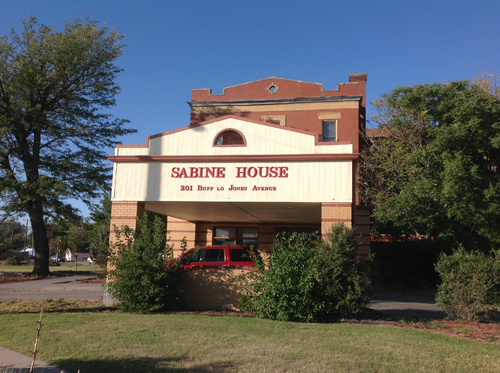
(229, 138)
(329, 131)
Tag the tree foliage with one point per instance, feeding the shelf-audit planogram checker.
(99, 235)
(140, 279)
(12, 235)
(54, 89)
(344, 276)
(307, 280)
(434, 170)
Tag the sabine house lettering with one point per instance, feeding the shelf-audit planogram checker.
(220, 172)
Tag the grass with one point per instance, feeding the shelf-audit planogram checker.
(28, 268)
(463, 330)
(121, 342)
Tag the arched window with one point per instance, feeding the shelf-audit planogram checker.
(230, 137)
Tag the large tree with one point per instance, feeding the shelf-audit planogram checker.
(433, 170)
(54, 89)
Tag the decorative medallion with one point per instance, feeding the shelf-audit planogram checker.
(272, 88)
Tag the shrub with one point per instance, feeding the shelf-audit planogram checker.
(14, 260)
(140, 279)
(288, 288)
(470, 284)
(344, 276)
(307, 280)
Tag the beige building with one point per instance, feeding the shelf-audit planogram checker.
(263, 157)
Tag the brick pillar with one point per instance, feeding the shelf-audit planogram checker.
(332, 213)
(204, 234)
(266, 237)
(177, 230)
(124, 213)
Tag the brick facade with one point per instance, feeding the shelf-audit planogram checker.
(333, 213)
(124, 213)
(179, 229)
(294, 104)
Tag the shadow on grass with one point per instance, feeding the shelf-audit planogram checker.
(140, 365)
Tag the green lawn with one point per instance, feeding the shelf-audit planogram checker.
(120, 342)
(66, 266)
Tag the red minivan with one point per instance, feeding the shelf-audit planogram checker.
(218, 255)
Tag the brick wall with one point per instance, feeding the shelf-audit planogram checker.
(179, 229)
(204, 234)
(124, 213)
(332, 213)
(305, 116)
(212, 289)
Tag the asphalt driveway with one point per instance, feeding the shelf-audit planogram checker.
(384, 302)
(67, 287)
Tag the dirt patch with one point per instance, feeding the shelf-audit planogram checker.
(7, 279)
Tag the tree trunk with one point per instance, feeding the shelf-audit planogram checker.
(41, 242)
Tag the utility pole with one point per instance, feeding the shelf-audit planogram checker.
(26, 236)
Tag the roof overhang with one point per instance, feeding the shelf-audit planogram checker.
(242, 212)
(276, 101)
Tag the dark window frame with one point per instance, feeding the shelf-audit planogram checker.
(330, 138)
(236, 239)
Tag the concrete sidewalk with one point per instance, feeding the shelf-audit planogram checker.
(66, 287)
(391, 304)
(14, 362)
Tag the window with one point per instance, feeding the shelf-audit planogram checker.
(208, 256)
(229, 138)
(239, 255)
(214, 255)
(329, 131)
(287, 231)
(236, 236)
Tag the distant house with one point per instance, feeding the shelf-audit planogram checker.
(70, 257)
(29, 250)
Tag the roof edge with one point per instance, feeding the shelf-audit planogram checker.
(276, 101)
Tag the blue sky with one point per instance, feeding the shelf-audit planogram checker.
(174, 46)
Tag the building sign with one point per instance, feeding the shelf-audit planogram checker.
(329, 181)
(220, 172)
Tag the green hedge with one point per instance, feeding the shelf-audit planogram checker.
(141, 279)
(470, 287)
(308, 280)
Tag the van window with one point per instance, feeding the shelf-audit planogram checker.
(213, 255)
(239, 255)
